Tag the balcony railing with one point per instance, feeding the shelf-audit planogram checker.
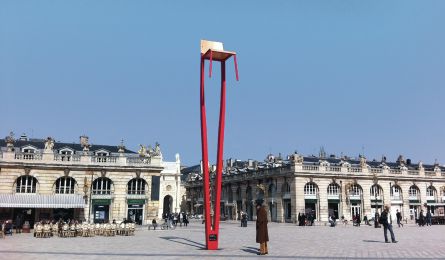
(104, 159)
(395, 171)
(396, 198)
(28, 156)
(355, 197)
(333, 168)
(431, 198)
(67, 157)
(413, 197)
(354, 169)
(333, 196)
(138, 160)
(310, 196)
(310, 168)
(412, 172)
(136, 192)
(101, 192)
(376, 170)
(430, 173)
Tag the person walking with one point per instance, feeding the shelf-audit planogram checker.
(18, 224)
(376, 219)
(428, 218)
(421, 219)
(399, 218)
(358, 220)
(262, 235)
(387, 225)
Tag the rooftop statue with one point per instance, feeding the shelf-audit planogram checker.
(49, 144)
(10, 142)
(142, 151)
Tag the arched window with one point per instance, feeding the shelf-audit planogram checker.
(102, 186)
(376, 191)
(414, 192)
(333, 189)
(355, 190)
(396, 192)
(310, 189)
(26, 184)
(431, 191)
(65, 185)
(136, 186)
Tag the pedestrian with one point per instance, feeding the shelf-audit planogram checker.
(428, 218)
(185, 220)
(399, 218)
(18, 224)
(299, 219)
(332, 220)
(365, 219)
(303, 219)
(241, 218)
(376, 219)
(262, 235)
(358, 220)
(154, 224)
(387, 225)
(244, 220)
(421, 220)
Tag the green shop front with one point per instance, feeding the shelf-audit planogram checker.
(135, 211)
(101, 210)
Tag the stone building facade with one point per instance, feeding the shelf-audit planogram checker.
(323, 186)
(45, 179)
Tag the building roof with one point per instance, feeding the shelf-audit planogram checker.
(40, 144)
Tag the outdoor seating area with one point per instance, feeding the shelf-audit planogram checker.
(83, 230)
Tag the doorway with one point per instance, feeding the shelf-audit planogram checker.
(168, 203)
(101, 213)
(355, 209)
(135, 214)
(310, 209)
(333, 209)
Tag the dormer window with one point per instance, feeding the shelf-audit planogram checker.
(66, 154)
(102, 156)
(29, 152)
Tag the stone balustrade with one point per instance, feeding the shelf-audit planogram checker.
(79, 159)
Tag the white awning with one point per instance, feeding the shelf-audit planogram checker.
(41, 201)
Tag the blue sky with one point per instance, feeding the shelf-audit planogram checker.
(352, 76)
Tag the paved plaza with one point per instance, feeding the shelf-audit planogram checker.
(287, 241)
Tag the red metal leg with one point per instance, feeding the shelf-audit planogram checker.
(236, 67)
(205, 157)
(219, 158)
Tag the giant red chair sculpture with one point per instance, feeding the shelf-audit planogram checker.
(213, 51)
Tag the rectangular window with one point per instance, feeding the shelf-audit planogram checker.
(155, 183)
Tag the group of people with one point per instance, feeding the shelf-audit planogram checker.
(243, 219)
(305, 219)
(425, 219)
(6, 227)
(175, 218)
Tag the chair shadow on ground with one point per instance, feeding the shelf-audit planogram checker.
(373, 241)
(249, 249)
(185, 241)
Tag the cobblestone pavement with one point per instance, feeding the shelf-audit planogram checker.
(287, 241)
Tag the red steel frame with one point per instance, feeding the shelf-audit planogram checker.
(212, 225)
